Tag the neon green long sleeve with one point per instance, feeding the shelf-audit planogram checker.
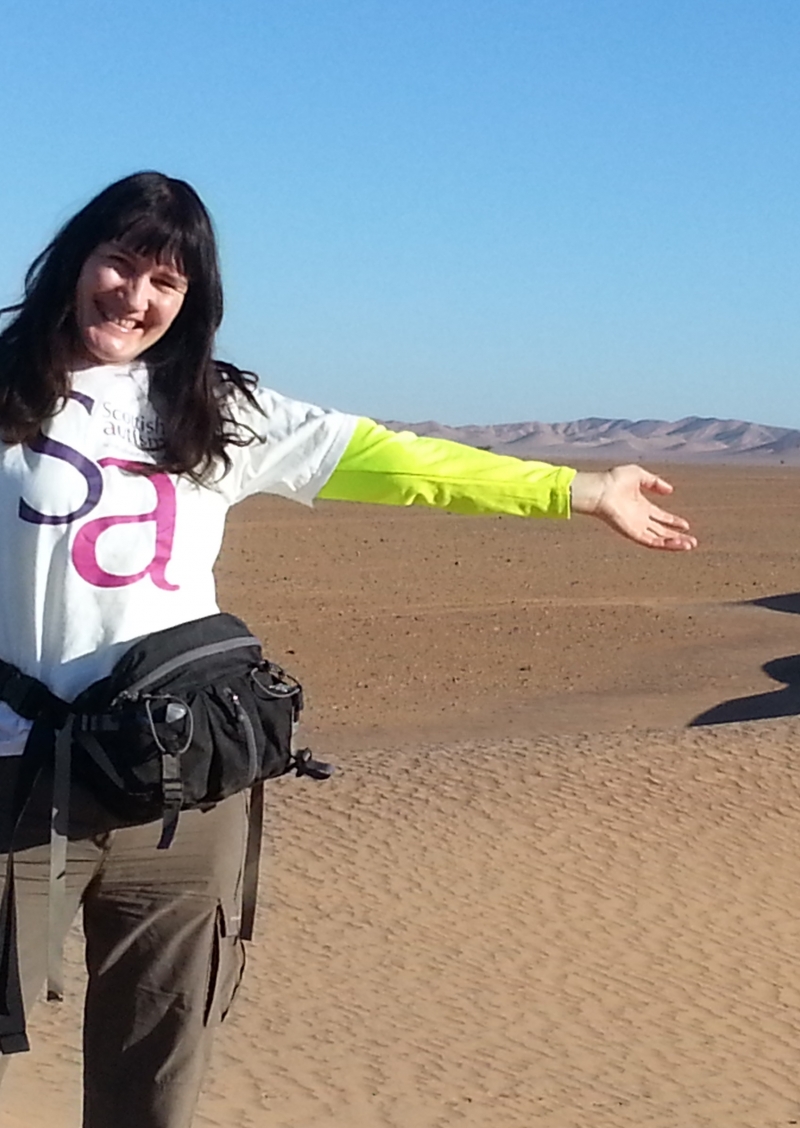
(400, 468)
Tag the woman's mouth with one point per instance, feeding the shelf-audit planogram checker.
(124, 324)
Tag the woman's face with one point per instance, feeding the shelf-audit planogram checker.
(124, 303)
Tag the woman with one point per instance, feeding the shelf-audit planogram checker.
(123, 445)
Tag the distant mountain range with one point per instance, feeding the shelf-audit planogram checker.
(622, 440)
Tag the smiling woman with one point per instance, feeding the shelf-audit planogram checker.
(134, 272)
(125, 302)
(124, 444)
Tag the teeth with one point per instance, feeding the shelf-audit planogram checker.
(123, 322)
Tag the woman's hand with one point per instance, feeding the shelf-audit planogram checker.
(620, 498)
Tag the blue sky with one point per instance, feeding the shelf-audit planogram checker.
(467, 210)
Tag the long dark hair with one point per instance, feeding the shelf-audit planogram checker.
(154, 215)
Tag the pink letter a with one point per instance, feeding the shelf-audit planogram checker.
(84, 552)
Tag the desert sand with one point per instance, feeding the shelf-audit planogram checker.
(534, 893)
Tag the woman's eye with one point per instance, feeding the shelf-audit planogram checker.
(170, 284)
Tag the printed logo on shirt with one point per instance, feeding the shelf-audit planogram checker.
(87, 549)
(143, 431)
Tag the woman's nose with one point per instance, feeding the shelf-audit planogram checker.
(137, 291)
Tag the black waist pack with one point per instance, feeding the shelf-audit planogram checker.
(187, 717)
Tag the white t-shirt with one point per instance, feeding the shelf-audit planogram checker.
(93, 557)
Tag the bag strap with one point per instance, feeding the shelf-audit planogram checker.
(13, 1034)
(187, 658)
(31, 699)
(59, 828)
(28, 696)
(252, 860)
(303, 763)
(38, 749)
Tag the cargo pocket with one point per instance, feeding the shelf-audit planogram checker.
(225, 971)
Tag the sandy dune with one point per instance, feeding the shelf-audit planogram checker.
(531, 895)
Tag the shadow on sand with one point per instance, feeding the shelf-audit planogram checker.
(783, 702)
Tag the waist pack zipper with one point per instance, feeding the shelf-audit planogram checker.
(249, 733)
(185, 659)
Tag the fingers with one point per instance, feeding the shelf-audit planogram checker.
(670, 542)
(652, 527)
(624, 504)
(669, 537)
(671, 529)
(653, 484)
(664, 530)
(671, 520)
(643, 479)
(675, 543)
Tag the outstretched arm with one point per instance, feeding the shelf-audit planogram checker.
(621, 498)
(400, 468)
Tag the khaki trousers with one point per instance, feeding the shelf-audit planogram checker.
(162, 947)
